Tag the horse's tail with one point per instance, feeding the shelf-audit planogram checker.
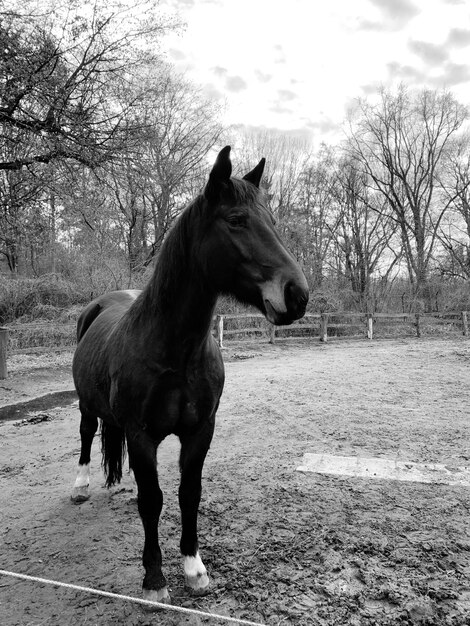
(86, 318)
(113, 451)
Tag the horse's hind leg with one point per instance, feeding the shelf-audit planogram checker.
(193, 453)
(88, 428)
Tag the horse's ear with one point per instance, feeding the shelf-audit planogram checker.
(254, 176)
(220, 174)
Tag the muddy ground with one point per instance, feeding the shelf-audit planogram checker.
(282, 547)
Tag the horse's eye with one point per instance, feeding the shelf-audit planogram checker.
(236, 220)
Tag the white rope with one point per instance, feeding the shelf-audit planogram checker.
(118, 596)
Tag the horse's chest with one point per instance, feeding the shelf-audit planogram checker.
(180, 404)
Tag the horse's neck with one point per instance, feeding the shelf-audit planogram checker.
(178, 304)
(186, 311)
(179, 325)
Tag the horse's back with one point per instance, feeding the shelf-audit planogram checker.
(90, 364)
(122, 299)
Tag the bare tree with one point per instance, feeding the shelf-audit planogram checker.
(178, 128)
(401, 143)
(455, 228)
(287, 157)
(316, 210)
(365, 238)
(182, 127)
(59, 99)
(142, 192)
(23, 217)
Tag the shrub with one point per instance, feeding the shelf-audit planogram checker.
(323, 300)
(35, 297)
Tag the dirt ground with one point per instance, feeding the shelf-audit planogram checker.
(282, 547)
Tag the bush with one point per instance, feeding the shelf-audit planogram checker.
(46, 312)
(323, 300)
(24, 336)
(31, 298)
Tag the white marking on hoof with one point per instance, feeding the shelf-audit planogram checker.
(156, 595)
(80, 494)
(81, 491)
(195, 574)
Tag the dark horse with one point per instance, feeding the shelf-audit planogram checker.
(147, 365)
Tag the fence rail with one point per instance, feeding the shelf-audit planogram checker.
(331, 324)
(37, 337)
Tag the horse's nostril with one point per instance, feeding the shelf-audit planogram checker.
(296, 298)
(303, 297)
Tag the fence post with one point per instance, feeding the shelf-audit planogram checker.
(3, 352)
(370, 326)
(272, 333)
(465, 323)
(220, 330)
(418, 325)
(324, 327)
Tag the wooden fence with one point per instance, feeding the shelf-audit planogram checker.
(39, 337)
(334, 324)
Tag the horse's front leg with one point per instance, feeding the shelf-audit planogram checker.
(142, 457)
(194, 447)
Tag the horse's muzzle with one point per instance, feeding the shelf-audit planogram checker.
(290, 306)
(296, 298)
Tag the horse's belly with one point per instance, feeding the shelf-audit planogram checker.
(91, 383)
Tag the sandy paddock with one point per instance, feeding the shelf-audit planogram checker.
(282, 547)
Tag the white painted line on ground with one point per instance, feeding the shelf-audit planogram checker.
(360, 467)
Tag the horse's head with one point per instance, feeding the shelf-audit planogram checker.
(243, 252)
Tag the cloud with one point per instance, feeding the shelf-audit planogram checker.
(432, 54)
(263, 78)
(219, 71)
(324, 126)
(176, 55)
(371, 88)
(406, 73)
(280, 104)
(450, 75)
(285, 95)
(303, 133)
(235, 83)
(394, 14)
(279, 56)
(371, 26)
(458, 37)
(280, 109)
(453, 74)
(179, 4)
(396, 9)
(212, 93)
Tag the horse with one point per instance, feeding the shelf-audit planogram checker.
(147, 365)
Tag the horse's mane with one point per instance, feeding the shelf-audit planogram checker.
(172, 267)
(244, 192)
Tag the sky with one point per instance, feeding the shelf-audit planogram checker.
(299, 65)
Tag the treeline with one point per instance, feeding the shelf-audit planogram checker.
(381, 220)
(103, 144)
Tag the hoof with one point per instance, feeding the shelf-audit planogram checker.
(195, 575)
(155, 595)
(198, 585)
(80, 494)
